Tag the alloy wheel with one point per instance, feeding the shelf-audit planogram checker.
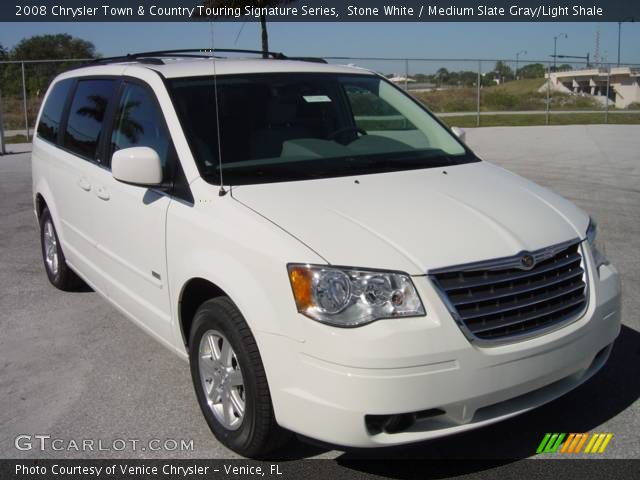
(221, 379)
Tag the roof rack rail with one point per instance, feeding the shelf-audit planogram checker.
(125, 58)
(308, 59)
(155, 57)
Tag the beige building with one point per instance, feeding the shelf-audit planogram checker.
(624, 84)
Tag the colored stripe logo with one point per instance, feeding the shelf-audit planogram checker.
(574, 443)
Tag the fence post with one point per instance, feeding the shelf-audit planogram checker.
(548, 105)
(479, 81)
(2, 147)
(24, 101)
(606, 104)
(406, 74)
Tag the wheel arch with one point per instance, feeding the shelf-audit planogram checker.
(43, 198)
(40, 204)
(194, 293)
(258, 287)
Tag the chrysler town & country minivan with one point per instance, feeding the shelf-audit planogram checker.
(330, 258)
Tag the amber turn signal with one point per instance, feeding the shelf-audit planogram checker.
(301, 282)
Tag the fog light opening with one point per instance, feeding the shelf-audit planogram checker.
(398, 422)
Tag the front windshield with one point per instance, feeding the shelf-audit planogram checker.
(298, 126)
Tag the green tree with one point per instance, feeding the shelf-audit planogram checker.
(503, 71)
(532, 70)
(43, 47)
(3, 52)
(55, 47)
(443, 75)
(250, 3)
(468, 78)
(489, 79)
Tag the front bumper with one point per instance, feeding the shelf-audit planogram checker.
(325, 386)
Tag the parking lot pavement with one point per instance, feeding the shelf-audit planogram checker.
(72, 367)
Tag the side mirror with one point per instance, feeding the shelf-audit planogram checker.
(460, 133)
(137, 165)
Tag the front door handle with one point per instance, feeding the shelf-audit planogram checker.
(102, 193)
(84, 184)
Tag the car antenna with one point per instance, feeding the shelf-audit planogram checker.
(222, 192)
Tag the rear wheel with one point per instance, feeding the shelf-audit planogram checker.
(230, 382)
(58, 272)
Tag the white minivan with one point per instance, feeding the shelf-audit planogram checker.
(329, 257)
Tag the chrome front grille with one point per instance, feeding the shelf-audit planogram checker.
(508, 299)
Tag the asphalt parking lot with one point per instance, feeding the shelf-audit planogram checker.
(72, 367)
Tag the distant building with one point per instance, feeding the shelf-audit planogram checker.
(411, 83)
(400, 79)
(624, 84)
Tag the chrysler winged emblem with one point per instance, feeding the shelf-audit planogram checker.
(527, 261)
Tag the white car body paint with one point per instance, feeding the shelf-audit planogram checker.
(139, 248)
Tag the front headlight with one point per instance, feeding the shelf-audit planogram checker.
(596, 244)
(348, 297)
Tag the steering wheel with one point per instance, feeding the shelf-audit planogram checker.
(340, 131)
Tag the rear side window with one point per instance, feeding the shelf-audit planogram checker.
(139, 123)
(86, 116)
(49, 124)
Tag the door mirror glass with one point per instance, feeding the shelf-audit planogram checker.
(459, 132)
(137, 165)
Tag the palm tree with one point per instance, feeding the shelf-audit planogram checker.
(96, 111)
(250, 3)
(124, 122)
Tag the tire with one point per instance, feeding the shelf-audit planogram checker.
(58, 272)
(251, 431)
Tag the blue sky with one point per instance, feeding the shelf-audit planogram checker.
(433, 40)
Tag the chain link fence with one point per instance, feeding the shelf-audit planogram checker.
(23, 84)
(521, 91)
(463, 92)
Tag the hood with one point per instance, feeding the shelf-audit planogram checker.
(418, 220)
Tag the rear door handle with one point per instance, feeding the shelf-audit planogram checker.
(102, 193)
(84, 184)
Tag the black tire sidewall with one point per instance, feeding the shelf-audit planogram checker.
(56, 279)
(212, 315)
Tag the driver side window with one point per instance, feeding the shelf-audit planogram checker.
(138, 122)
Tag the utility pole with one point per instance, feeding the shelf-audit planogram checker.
(548, 102)
(24, 104)
(619, 31)
(606, 111)
(479, 84)
(555, 47)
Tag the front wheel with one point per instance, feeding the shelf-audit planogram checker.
(230, 381)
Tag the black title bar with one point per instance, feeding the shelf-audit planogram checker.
(322, 11)
(310, 469)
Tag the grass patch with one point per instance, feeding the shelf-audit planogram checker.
(520, 87)
(515, 95)
(13, 110)
(16, 139)
(516, 120)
